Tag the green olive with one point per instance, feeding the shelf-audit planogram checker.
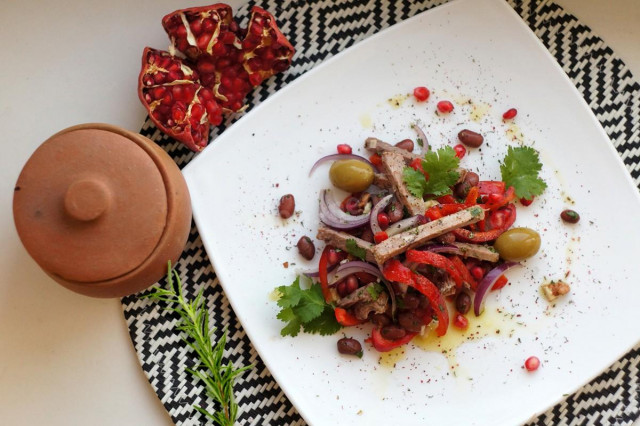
(351, 175)
(518, 244)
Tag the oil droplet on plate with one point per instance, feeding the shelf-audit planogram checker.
(496, 323)
(397, 100)
(391, 358)
(478, 111)
(365, 121)
(514, 133)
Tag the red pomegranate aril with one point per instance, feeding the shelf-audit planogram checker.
(383, 220)
(421, 93)
(206, 66)
(460, 150)
(208, 25)
(176, 75)
(178, 115)
(219, 49)
(380, 237)
(532, 363)
(445, 107)
(167, 99)
(477, 272)
(159, 78)
(205, 94)
(197, 111)
(255, 79)
(510, 114)
(526, 202)
(416, 164)
(460, 321)
(344, 148)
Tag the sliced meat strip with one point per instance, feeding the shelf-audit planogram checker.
(393, 166)
(415, 237)
(339, 240)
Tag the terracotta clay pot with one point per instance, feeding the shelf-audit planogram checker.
(102, 210)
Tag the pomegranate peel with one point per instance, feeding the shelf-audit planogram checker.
(223, 63)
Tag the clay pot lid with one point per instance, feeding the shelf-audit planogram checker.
(90, 205)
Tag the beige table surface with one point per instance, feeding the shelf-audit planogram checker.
(67, 359)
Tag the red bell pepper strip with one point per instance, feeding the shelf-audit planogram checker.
(394, 270)
(488, 187)
(322, 273)
(464, 272)
(376, 160)
(472, 197)
(440, 210)
(437, 260)
(500, 282)
(384, 345)
(447, 199)
(496, 201)
(484, 236)
(437, 302)
(345, 319)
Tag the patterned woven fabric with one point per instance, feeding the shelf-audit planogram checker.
(319, 30)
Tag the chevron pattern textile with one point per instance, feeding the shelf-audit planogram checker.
(319, 30)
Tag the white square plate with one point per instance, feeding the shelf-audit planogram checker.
(468, 50)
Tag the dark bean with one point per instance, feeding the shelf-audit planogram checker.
(349, 346)
(570, 216)
(470, 139)
(306, 248)
(410, 301)
(472, 178)
(366, 278)
(406, 144)
(392, 332)
(463, 302)
(395, 211)
(461, 189)
(351, 284)
(367, 235)
(287, 206)
(380, 320)
(410, 322)
(448, 238)
(341, 288)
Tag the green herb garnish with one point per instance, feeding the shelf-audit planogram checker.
(441, 167)
(305, 308)
(374, 291)
(355, 250)
(520, 169)
(217, 377)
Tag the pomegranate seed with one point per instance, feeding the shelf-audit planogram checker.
(178, 115)
(383, 220)
(477, 272)
(445, 107)
(196, 27)
(421, 93)
(526, 202)
(255, 78)
(376, 160)
(510, 114)
(343, 148)
(208, 25)
(461, 322)
(416, 164)
(460, 150)
(380, 237)
(197, 111)
(532, 363)
(333, 257)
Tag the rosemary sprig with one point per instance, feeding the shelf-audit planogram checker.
(217, 377)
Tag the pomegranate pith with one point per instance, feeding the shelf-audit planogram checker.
(223, 63)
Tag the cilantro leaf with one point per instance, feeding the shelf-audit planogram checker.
(520, 169)
(305, 308)
(374, 291)
(355, 250)
(441, 167)
(325, 324)
(293, 327)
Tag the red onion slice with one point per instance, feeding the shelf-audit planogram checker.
(373, 221)
(404, 224)
(421, 135)
(335, 157)
(332, 215)
(355, 266)
(487, 282)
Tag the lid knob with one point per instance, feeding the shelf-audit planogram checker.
(87, 199)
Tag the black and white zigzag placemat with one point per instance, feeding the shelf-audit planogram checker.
(318, 30)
